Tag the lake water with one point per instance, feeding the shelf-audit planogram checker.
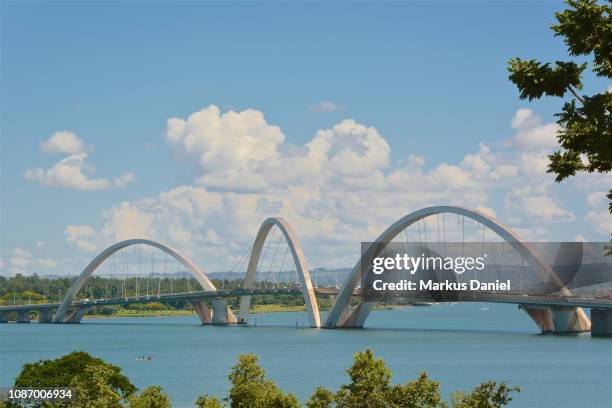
(459, 345)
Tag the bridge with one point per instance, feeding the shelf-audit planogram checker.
(557, 311)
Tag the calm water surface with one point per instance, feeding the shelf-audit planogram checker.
(459, 345)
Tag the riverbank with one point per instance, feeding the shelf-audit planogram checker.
(256, 309)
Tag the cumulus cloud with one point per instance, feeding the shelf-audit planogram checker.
(63, 142)
(240, 151)
(336, 189)
(81, 236)
(325, 106)
(598, 216)
(124, 180)
(531, 132)
(72, 172)
(539, 206)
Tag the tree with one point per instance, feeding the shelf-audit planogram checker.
(251, 389)
(208, 401)
(151, 397)
(586, 121)
(486, 395)
(81, 370)
(369, 387)
(419, 393)
(93, 388)
(321, 398)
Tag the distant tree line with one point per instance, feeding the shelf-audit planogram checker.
(21, 289)
(98, 384)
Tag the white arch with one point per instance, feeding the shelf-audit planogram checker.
(341, 308)
(300, 263)
(102, 256)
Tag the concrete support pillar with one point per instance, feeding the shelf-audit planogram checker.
(222, 315)
(202, 311)
(23, 316)
(75, 315)
(355, 317)
(45, 316)
(601, 320)
(558, 319)
(3, 317)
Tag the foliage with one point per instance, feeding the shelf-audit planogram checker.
(251, 389)
(94, 388)
(585, 136)
(208, 401)
(369, 386)
(100, 385)
(151, 397)
(69, 369)
(321, 398)
(486, 395)
(419, 393)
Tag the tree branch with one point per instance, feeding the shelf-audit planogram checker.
(580, 98)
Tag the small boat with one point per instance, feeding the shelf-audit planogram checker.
(145, 358)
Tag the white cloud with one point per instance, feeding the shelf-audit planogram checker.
(64, 142)
(531, 133)
(124, 180)
(80, 236)
(73, 172)
(70, 172)
(599, 216)
(600, 220)
(544, 207)
(336, 190)
(325, 106)
(240, 151)
(20, 260)
(24, 262)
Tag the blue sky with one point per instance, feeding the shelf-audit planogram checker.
(429, 77)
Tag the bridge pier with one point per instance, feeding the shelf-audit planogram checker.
(355, 317)
(45, 316)
(558, 319)
(202, 311)
(23, 316)
(4, 317)
(601, 320)
(222, 315)
(75, 315)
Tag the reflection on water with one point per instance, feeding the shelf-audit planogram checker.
(459, 345)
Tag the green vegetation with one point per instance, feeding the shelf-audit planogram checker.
(585, 136)
(370, 387)
(101, 385)
(98, 384)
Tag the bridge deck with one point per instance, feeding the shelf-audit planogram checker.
(488, 297)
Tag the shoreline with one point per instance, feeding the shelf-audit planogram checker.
(258, 309)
